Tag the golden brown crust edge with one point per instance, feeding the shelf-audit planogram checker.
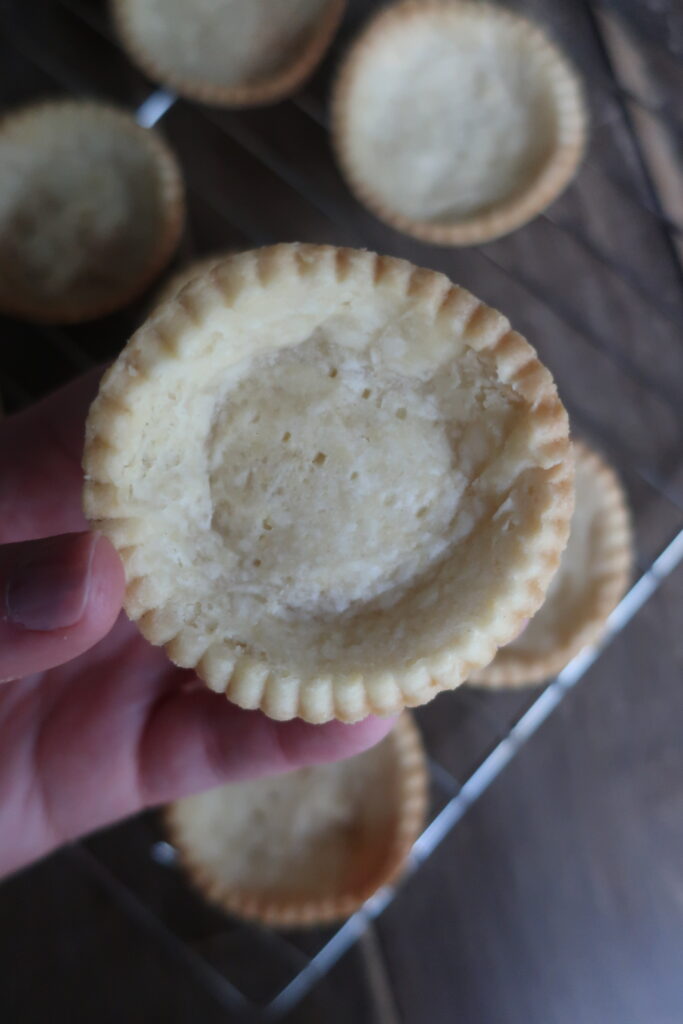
(301, 913)
(505, 217)
(173, 203)
(511, 668)
(354, 697)
(270, 90)
(183, 275)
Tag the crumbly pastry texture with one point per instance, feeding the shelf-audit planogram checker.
(592, 578)
(457, 122)
(91, 208)
(310, 846)
(338, 482)
(228, 52)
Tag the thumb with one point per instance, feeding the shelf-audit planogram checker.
(58, 597)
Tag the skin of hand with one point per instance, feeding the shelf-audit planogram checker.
(95, 723)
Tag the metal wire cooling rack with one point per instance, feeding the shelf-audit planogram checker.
(266, 175)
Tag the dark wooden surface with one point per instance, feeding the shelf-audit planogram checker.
(559, 898)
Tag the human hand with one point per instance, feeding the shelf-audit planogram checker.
(96, 724)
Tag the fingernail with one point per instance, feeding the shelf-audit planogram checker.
(48, 585)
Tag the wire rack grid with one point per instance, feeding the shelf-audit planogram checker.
(313, 204)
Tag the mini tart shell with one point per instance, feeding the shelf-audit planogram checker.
(612, 569)
(300, 912)
(256, 94)
(507, 215)
(172, 200)
(345, 695)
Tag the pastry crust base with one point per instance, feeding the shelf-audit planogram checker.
(285, 910)
(101, 116)
(505, 215)
(440, 630)
(611, 566)
(253, 94)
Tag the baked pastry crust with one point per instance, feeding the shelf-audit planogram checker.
(180, 278)
(224, 54)
(456, 122)
(338, 482)
(592, 578)
(309, 847)
(91, 209)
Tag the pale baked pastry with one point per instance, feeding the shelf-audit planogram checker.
(592, 578)
(91, 209)
(456, 122)
(228, 52)
(180, 278)
(311, 846)
(338, 482)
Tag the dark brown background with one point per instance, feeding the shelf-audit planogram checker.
(559, 898)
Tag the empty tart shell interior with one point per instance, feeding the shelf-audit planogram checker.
(456, 122)
(338, 482)
(310, 846)
(227, 52)
(91, 209)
